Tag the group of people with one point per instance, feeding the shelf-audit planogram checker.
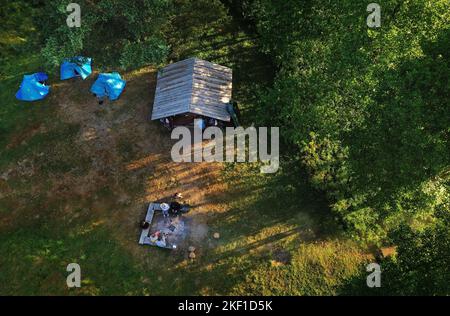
(159, 239)
(173, 208)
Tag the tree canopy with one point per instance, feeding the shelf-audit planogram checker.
(366, 109)
(118, 33)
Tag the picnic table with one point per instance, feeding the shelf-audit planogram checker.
(145, 238)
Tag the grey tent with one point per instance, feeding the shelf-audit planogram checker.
(193, 87)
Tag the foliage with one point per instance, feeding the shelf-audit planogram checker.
(115, 33)
(421, 265)
(366, 109)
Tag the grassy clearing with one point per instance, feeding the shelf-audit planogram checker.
(40, 254)
(77, 177)
(315, 269)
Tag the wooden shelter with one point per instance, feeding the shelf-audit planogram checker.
(193, 88)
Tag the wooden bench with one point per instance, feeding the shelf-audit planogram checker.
(149, 219)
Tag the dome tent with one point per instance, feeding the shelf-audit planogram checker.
(33, 88)
(76, 67)
(108, 85)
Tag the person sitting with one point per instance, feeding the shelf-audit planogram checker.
(154, 238)
(161, 242)
(165, 209)
(212, 122)
(175, 207)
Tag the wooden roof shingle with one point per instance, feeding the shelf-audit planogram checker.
(193, 86)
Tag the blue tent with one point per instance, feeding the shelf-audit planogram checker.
(32, 87)
(108, 85)
(76, 67)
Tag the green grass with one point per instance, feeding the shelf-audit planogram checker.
(33, 257)
(14, 114)
(34, 261)
(278, 239)
(316, 269)
(18, 56)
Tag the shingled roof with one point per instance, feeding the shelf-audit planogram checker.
(193, 86)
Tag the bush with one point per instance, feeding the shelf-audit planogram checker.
(115, 33)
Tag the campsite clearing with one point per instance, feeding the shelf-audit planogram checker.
(76, 179)
(78, 186)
